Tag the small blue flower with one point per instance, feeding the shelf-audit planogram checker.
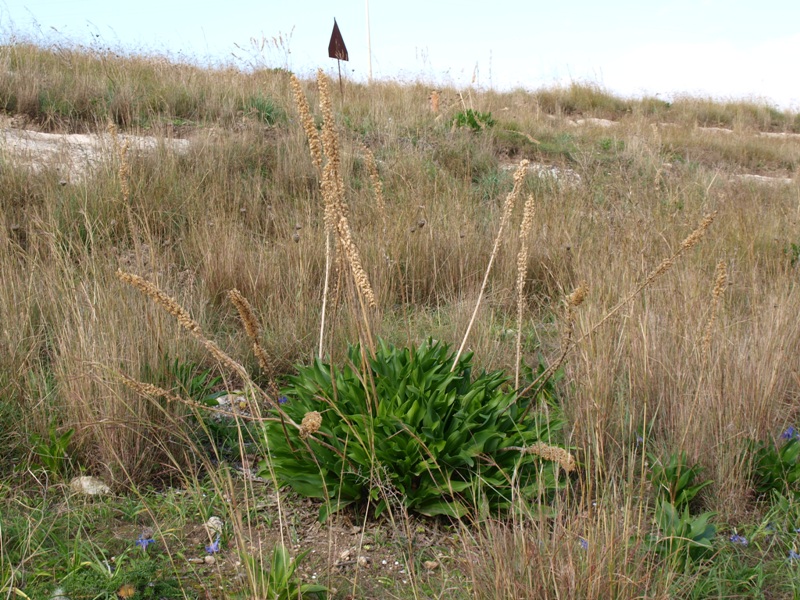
(790, 433)
(639, 439)
(793, 555)
(738, 539)
(584, 543)
(144, 542)
(283, 400)
(214, 547)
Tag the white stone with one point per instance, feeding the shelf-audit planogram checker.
(214, 526)
(784, 135)
(767, 180)
(91, 486)
(604, 123)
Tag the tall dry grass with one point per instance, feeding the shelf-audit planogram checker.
(242, 209)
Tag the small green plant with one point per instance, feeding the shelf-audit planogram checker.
(477, 121)
(282, 582)
(263, 109)
(202, 386)
(51, 451)
(777, 469)
(793, 251)
(134, 576)
(193, 381)
(681, 538)
(674, 479)
(611, 145)
(404, 426)
(490, 185)
(784, 513)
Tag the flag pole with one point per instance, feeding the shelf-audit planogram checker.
(341, 87)
(369, 46)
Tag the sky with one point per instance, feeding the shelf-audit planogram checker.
(724, 49)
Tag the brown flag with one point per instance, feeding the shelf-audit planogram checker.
(336, 47)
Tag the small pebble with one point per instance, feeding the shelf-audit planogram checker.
(209, 560)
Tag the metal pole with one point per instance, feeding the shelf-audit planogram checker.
(369, 46)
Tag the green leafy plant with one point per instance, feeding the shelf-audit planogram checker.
(777, 468)
(51, 451)
(681, 538)
(282, 582)
(406, 427)
(674, 478)
(477, 121)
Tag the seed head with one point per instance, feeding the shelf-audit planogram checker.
(577, 297)
(251, 326)
(310, 424)
(555, 454)
(308, 122)
(168, 303)
(698, 233)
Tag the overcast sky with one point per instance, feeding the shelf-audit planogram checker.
(727, 49)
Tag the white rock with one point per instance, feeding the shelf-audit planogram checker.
(604, 123)
(91, 486)
(543, 171)
(716, 130)
(58, 594)
(766, 179)
(214, 526)
(784, 135)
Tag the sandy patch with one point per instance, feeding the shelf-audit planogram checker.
(73, 155)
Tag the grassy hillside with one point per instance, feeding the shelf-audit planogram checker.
(687, 340)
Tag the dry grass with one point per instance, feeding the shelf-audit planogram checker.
(243, 209)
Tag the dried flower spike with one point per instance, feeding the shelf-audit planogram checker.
(577, 297)
(310, 424)
(555, 454)
(308, 122)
